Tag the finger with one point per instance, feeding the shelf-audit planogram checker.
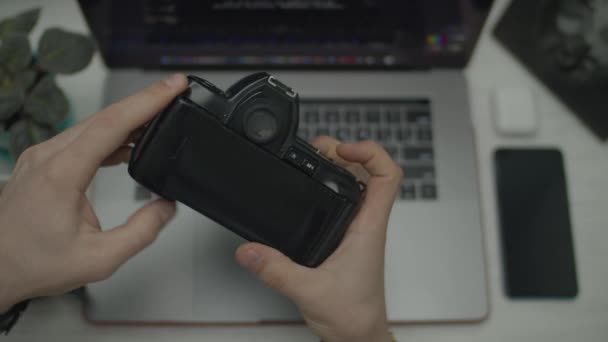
(110, 128)
(384, 181)
(274, 269)
(63, 139)
(116, 246)
(372, 156)
(328, 145)
(134, 136)
(55, 144)
(121, 155)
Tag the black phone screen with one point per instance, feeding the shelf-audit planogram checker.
(538, 252)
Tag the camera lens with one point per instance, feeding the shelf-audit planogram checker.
(261, 126)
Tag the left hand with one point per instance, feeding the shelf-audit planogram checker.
(50, 238)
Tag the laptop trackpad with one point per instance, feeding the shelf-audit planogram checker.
(223, 291)
(188, 275)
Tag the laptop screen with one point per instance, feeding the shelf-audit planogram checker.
(286, 33)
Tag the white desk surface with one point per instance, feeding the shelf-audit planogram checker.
(582, 319)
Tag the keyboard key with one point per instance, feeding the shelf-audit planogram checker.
(344, 134)
(383, 134)
(418, 172)
(403, 129)
(373, 116)
(408, 191)
(418, 153)
(321, 131)
(425, 135)
(393, 116)
(332, 116)
(311, 116)
(404, 134)
(428, 191)
(304, 133)
(393, 151)
(420, 117)
(364, 134)
(353, 116)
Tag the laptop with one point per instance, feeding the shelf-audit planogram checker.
(386, 70)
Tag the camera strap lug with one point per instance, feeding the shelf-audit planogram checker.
(277, 84)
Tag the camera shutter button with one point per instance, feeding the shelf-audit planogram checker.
(294, 156)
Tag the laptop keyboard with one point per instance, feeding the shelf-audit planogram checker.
(403, 127)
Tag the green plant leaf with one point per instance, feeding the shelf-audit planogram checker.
(11, 99)
(64, 52)
(26, 133)
(604, 33)
(2, 132)
(3, 138)
(15, 52)
(47, 104)
(25, 79)
(21, 23)
(5, 79)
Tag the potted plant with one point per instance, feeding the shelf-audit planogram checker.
(32, 106)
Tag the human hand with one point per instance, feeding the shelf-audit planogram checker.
(343, 299)
(50, 238)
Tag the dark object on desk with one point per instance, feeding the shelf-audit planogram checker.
(234, 156)
(538, 253)
(565, 44)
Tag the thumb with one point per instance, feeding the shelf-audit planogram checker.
(274, 269)
(138, 232)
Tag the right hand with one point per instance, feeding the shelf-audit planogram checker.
(343, 299)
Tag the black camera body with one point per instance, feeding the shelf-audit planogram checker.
(234, 157)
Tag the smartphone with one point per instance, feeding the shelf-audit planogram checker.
(534, 218)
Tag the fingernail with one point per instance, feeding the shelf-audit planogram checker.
(175, 80)
(250, 259)
(167, 212)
